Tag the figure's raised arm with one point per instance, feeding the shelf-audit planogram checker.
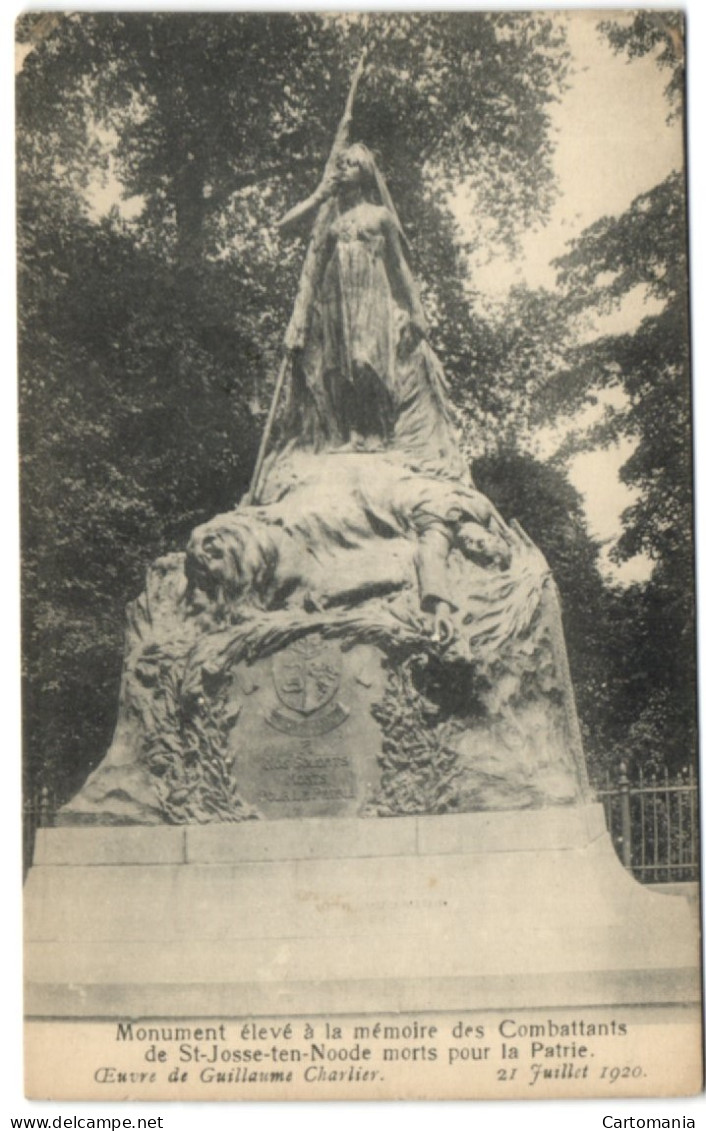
(329, 181)
(309, 207)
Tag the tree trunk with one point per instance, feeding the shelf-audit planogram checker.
(190, 207)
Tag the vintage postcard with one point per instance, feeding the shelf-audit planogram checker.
(358, 579)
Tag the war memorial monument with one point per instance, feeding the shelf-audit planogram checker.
(347, 775)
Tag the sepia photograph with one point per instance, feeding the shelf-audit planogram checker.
(357, 545)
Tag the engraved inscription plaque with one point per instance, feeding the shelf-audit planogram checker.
(306, 743)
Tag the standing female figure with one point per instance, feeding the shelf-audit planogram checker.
(363, 374)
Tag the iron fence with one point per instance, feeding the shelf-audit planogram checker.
(653, 820)
(37, 812)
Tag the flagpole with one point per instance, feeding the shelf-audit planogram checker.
(264, 442)
(340, 142)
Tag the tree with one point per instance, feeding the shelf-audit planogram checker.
(205, 107)
(146, 343)
(216, 123)
(660, 33)
(644, 251)
(645, 248)
(115, 469)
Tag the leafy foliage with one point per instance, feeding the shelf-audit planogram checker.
(645, 247)
(189, 755)
(418, 763)
(644, 251)
(658, 32)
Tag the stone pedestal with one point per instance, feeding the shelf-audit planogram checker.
(529, 908)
